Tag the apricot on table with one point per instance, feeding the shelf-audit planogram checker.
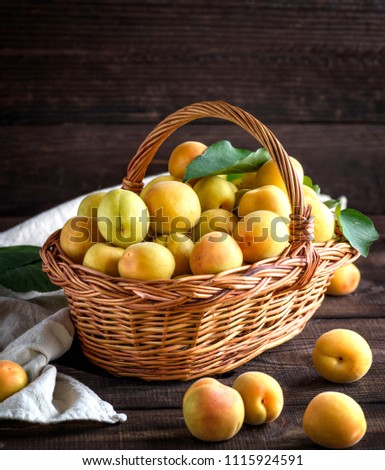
(334, 420)
(344, 281)
(262, 396)
(213, 411)
(342, 356)
(13, 378)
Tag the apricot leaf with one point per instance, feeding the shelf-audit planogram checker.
(221, 158)
(308, 182)
(21, 269)
(357, 228)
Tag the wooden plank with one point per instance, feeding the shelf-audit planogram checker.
(46, 165)
(134, 62)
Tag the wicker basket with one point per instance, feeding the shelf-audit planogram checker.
(188, 327)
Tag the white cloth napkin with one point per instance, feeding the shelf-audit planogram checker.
(34, 330)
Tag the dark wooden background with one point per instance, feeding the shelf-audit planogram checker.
(82, 83)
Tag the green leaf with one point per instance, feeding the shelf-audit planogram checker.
(308, 182)
(21, 269)
(332, 203)
(357, 228)
(221, 158)
(16, 256)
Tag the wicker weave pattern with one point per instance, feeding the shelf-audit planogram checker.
(185, 328)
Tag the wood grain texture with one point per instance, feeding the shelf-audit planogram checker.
(46, 165)
(135, 61)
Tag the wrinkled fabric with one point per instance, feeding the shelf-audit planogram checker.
(36, 329)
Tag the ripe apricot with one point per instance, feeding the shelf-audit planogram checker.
(182, 155)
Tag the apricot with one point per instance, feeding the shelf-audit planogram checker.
(344, 281)
(261, 234)
(309, 193)
(213, 220)
(182, 155)
(173, 206)
(157, 179)
(13, 378)
(215, 192)
(78, 234)
(123, 218)
(324, 222)
(215, 252)
(269, 173)
(269, 197)
(262, 396)
(213, 411)
(181, 247)
(104, 258)
(146, 261)
(89, 204)
(334, 420)
(342, 356)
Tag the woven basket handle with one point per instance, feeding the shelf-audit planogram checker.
(301, 222)
(215, 109)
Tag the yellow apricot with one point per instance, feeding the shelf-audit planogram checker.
(104, 258)
(78, 234)
(182, 155)
(213, 411)
(181, 247)
(334, 420)
(213, 220)
(173, 207)
(269, 173)
(269, 197)
(344, 281)
(215, 252)
(146, 261)
(309, 192)
(89, 204)
(342, 356)
(261, 234)
(324, 222)
(215, 192)
(155, 180)
(262, 396)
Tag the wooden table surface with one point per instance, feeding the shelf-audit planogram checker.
(154, 409)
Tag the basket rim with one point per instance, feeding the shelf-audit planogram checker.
(335, 252)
